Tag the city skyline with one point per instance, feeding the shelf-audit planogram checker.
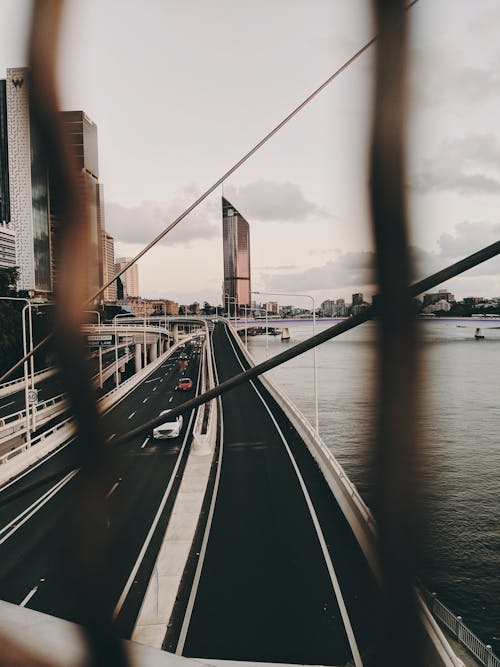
(311, 227)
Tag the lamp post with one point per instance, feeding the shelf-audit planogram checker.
(307, 296)
(229, 300)
(117, 378)
(96, 312)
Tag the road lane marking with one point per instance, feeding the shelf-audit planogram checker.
(146, 399)
(324, 548)
(111, 436)
(29, 596)
(171, 399)
(113, 488)
(21, 519)
(131, 415)
(145, 442)
(158, 514)
(155, 388)
(152, 380)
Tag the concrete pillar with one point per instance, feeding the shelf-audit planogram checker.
(153, 351)
(175, 333)
(138, 357)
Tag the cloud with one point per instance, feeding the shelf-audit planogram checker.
(274, 201)
(469, 165)
(350, 269)
(440, 76)
(139, 224)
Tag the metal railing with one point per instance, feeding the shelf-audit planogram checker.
(481, 651)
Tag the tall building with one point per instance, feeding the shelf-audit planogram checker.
(357, 299)
(4, 157)
(28, 187)
(236, 243)
(108, 263)
(81, 132)
(130, 278)
(441, 295)
(7, 246)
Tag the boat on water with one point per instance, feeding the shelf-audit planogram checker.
(478, 334)
(285, 333)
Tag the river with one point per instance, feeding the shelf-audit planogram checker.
(459, 428)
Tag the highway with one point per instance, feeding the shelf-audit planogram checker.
(34, 524)
(51, 386)
(282, 578)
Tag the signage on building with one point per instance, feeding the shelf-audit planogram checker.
(99, 338)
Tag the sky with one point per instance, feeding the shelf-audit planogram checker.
(181, 89)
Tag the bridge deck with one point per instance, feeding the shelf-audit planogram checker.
(283, 578)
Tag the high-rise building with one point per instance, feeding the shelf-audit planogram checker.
(357, 299)
(28, 187)
(441, 295)
(7, 246)
(81, 132)
(236, 243)
(4, 157)
(130, 278)
(108, 248)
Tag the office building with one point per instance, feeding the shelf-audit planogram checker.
(7, 246)
(357, 299)
(108, 264)
(236, 244)
(4, 157)
(81, 133)
(442, 295)
(271, 307)
(129, 279)
(28, 196)
(327, 308)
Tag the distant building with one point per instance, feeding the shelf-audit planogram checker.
(130, 278)
(108, 264)
(271, 307)
(162, 306)
(357, 299)
(340, 308)
(441, 295)
(28, 194)
(236, 244)
(327, 308)
(4, 156)
(441, 305)
(7, 246)
(193, 309)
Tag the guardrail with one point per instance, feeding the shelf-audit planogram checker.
(481, 651)
(9, 387)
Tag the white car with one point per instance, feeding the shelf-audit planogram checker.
(169, 429)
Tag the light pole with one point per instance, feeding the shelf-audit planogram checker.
(229, 300)
(117, 379)
(307, 296)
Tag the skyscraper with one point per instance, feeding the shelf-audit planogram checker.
(130, 278)
(108, 248)
(4, 157)
(81, 132)
(28, 187)
(236, 244)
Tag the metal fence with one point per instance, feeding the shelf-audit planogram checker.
(481, 651)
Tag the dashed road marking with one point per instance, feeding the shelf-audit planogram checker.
(131, 415)
(145, 442)
(146, 399)
(29, 596)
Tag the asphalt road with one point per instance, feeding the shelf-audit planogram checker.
(266, 591)
(33, 555)
(48, 388)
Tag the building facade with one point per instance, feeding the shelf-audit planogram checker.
(28, 188)
(441, 295)
(7, 246)
(236, 245)
(4, 157)
(108, 263)
(129, 279)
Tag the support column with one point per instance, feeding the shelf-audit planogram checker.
(175, 333)
(138, 357)
(153, 352)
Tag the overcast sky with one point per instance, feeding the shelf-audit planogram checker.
(180, 89)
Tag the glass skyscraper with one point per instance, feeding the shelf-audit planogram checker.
(236, 243)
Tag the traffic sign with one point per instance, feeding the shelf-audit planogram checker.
(33, 396)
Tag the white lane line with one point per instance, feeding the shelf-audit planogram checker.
(113, 435)
(152, 380)
(20, 520)
(201, 559)
(145, 442)
(326, 555)
(5, 405)
(29, 596)
(171, 399)
(113, 488)
(131, 415)
(161, 379)
(146, 399)
(155, 388)
(158, 514)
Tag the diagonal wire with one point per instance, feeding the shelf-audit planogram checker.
(213, 187)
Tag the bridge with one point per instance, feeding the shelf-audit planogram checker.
(243, 539)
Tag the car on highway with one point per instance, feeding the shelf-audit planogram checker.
(169, 428)
(184, 384)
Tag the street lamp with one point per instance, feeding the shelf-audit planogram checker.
(96, 312)
(307, 296)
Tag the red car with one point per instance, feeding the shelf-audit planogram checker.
(185, 384)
